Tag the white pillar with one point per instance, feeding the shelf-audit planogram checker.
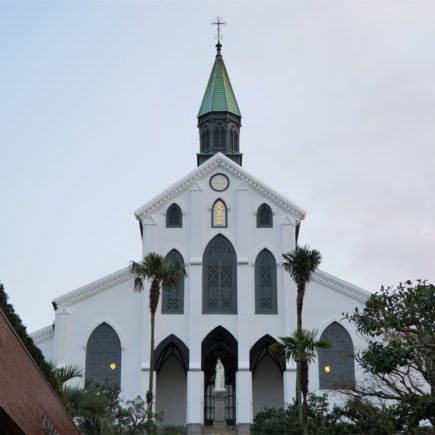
(145, 380)
(150, 235)
(289, 382)
(287, 297)
(244, 396)
(193, 312)
(195, 400)
(61, 336)
(243, 218)
(193, 295)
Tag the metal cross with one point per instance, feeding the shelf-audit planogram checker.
(219, 23)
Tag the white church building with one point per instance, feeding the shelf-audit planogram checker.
(229, 229)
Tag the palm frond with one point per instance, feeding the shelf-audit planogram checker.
(154, 266)
(138, 284)
(158, 269)
(301, 263)
(300, 346)
(67, 373)
(174, 273)
(136, 268)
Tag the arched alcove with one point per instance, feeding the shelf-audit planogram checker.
(219, 344)
(171, 363)
(267, 369)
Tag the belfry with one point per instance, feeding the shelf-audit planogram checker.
(219, 118)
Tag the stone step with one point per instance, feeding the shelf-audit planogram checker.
(210, 430)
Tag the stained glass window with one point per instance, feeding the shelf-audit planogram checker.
(103, 357)
(336, 364)
(174, 217)
(264, 216)
(265, 283)
(220, 277)
(219, 214)
(173, 298)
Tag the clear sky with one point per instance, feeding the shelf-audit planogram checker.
(98, 105)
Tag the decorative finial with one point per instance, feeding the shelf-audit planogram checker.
(218, 23)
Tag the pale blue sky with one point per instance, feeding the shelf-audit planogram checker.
(98, 104)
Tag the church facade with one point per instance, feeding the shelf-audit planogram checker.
(229, 230)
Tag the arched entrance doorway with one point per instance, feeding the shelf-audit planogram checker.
(267, 369)
(172, 362)
(221, 344)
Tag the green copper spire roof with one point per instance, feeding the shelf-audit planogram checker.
(219, 95)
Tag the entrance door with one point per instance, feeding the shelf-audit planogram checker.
(219, 343)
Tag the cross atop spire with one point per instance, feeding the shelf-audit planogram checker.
(218, 23)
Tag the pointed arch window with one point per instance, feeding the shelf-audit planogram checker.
(219, 214)
(103, 357)
(173, 298)
(336, 364)
(265, 283)
(219, 273)
(174, 217)
(264, 216)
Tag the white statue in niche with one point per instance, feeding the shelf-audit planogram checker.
(219, 380)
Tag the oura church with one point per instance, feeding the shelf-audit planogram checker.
(229, 229)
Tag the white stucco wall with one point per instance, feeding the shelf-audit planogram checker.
(44, 339)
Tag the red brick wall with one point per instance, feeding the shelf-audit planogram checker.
(24, 393)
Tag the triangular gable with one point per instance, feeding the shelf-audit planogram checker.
(219, 161)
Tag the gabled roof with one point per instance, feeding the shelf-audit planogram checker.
(43, 334)
(219, 161)
(219, 95)
(93, 288)
(341, 286)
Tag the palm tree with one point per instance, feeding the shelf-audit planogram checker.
(161, 273)
(301, 263)
(302, 347)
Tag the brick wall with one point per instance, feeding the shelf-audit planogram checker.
(25, 395)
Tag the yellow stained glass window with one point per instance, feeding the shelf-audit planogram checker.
(219, 214)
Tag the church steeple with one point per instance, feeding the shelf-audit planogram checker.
(219, 118)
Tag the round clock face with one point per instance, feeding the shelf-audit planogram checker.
(219, 182)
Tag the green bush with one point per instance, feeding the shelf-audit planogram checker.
(356, 417)
(278, 421)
